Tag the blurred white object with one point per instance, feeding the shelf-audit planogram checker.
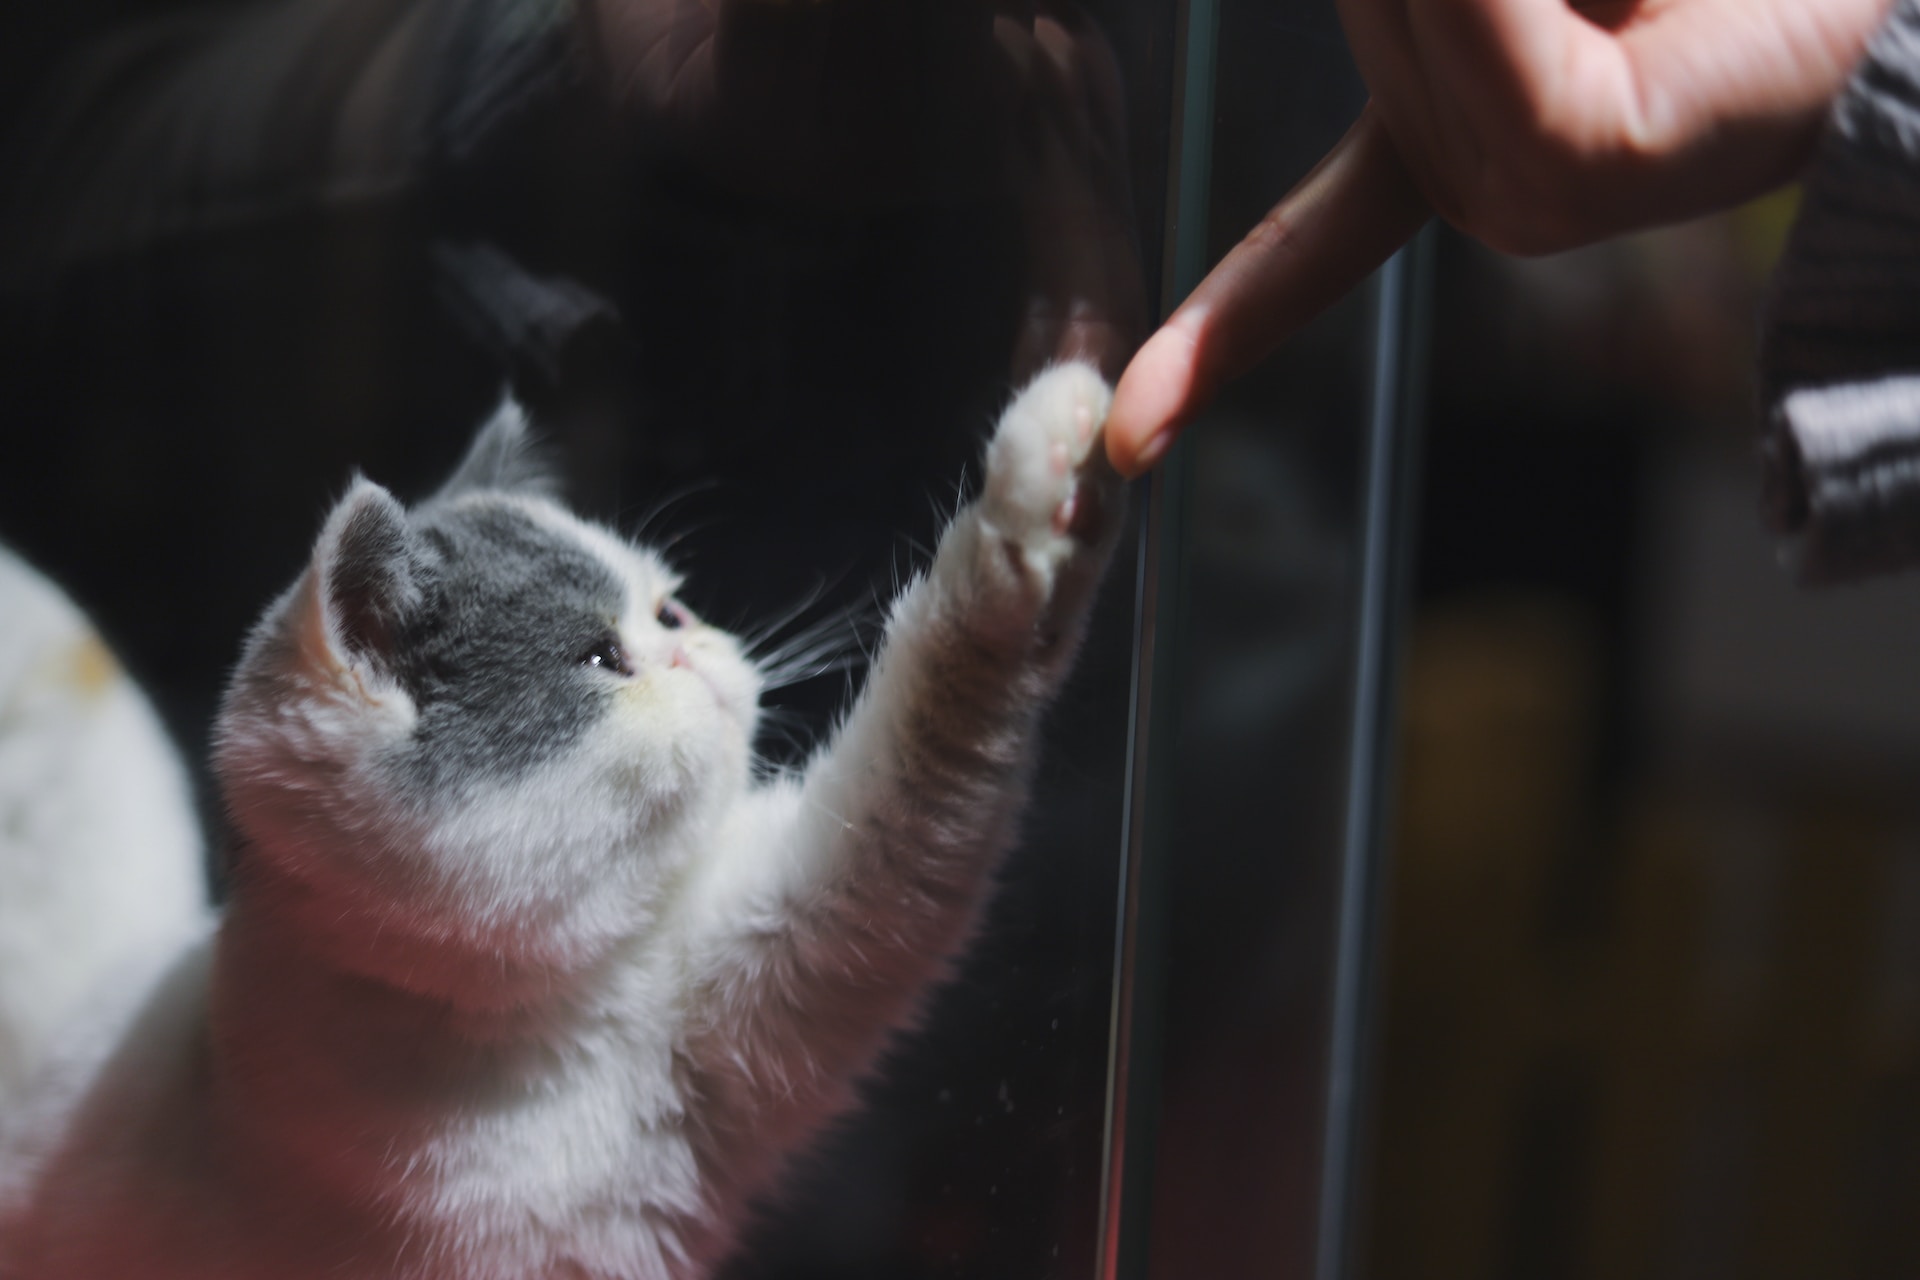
(101, 867)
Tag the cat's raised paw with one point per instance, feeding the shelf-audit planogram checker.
(1049, 488)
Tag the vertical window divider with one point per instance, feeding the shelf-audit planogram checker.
(1135, 1050)
(1388, 501)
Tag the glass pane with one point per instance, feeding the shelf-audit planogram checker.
(766, 308)
(1277, 533)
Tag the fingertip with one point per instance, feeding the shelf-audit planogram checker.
(1153, 401)
(1335, 227)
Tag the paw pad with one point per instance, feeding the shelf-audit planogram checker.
(1046, 474)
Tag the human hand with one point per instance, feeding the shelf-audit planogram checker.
(852, 104)
(1533, 125)
(1066, 165)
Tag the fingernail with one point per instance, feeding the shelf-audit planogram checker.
(1151, 452)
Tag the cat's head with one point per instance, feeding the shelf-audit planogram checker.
(479, 728)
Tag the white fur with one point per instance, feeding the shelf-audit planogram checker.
(565, 1027)
(100, 852)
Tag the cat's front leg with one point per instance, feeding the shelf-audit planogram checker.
(820, 938)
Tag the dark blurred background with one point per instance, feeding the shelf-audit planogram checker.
(1652, 1002)
(1651, 961)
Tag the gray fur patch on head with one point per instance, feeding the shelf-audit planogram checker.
(492, 654)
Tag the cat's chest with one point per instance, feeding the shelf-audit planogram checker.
(595, 1163)
(588, 1165)
(607, 1121)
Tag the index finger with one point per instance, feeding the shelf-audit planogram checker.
(1329, 233)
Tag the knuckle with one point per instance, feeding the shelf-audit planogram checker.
(1533, 196)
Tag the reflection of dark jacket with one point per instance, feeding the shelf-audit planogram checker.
(1840, 364)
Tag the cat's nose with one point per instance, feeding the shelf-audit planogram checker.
(680, 658)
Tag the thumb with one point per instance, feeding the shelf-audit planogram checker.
(1325, 236)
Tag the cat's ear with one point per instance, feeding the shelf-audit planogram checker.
(502, 458)
(367, 577)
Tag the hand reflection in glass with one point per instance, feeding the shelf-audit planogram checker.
(859, 104)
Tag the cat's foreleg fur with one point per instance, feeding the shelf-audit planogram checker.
(879, 857)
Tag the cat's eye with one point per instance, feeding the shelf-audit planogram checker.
(672, 615)
(607, 654)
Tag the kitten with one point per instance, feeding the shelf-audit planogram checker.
(523, 974)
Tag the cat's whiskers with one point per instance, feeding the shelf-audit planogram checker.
(827, 658)
(813, 802)
(752, 638)
(663, 505)
(829, 644)
(683, 532)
